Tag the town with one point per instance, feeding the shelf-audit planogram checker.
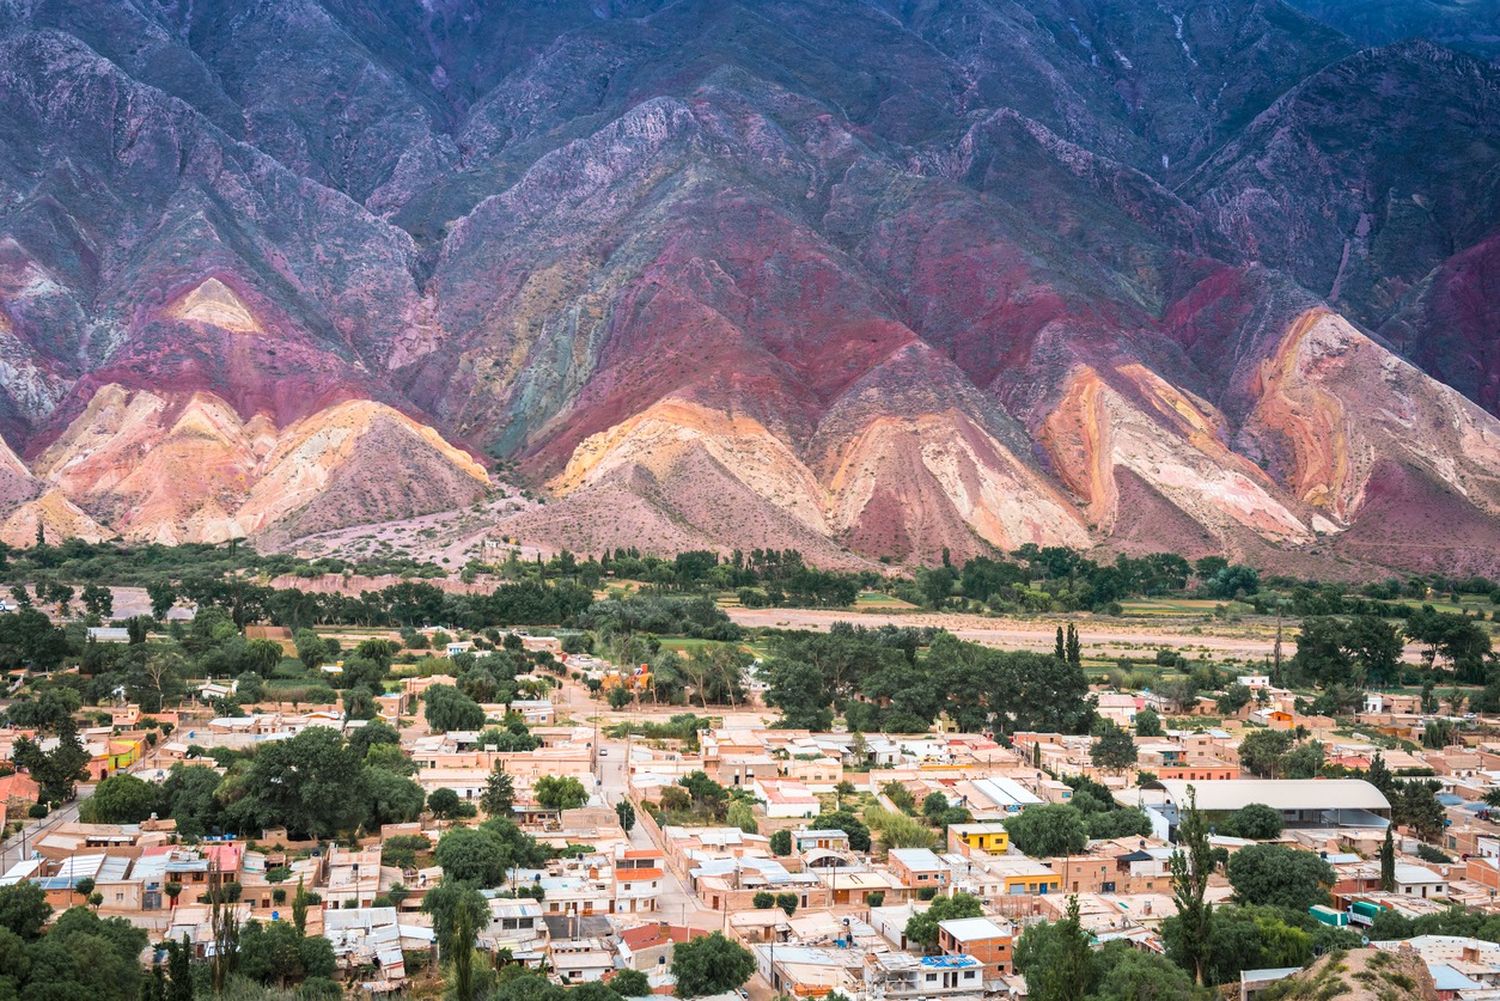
(613, 790)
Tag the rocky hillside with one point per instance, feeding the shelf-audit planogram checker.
(870, 279)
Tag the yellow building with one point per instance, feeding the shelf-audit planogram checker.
(986, 837)
(115, 755)
(1019, 874)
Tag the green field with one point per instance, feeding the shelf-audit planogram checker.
(1168, 607)
(883, 602)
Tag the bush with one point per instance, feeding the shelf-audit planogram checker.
(37, 811)
(763, 900)
(1427, 853)
(1255, 821)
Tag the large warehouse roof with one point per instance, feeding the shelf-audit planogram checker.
(1278, 794)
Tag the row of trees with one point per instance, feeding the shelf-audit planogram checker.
(316, 784)
(1055, 578)
(899, 680)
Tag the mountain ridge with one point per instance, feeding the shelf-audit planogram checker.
(963, 276)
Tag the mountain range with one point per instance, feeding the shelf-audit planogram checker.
(873, 279)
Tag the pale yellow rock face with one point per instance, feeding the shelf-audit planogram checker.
(656, 439)
(943, 467)
(1172, 441)
(1340, 403)
(58, 516)
(187, 468)
(308, 453)
(215, 303)
(932, 459)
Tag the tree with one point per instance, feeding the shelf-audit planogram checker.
(188, 797)
(1255, 821)
(1147, 723)
(781, 842)
(625, 810)
(449, 709)
(312, 783)
(81, 956)
(1136, 975)
(1056, 959)
(459, 913)
(300, 902)
(710, 964)
(1191, 866)
(1379, 775)
(57, 771)
(470, 855)
(1261, 751)
(1235, 698)
(311, 649)
(180, 967)
(120, 799)
(1047, 830)
(787, 902)
(922, 927)
(162, 596)
(798, 690)
(1113, 748)
(444, 803)
(499, 793)
(1278, 876)
(742, 816)
(843, 820)
(98, 600)
(276, 953)
(359, 703)
(1040, 693)
(1388, 861)
(24, 909)
(1304, 761)
(763, 901)
(629, 983)
(391, 798)
(559, 793)
(1417, 807)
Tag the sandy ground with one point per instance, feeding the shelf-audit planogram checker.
(1100, 639)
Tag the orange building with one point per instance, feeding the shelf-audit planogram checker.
(986, 939)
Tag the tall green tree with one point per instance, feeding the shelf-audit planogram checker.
(1192, 864)
(1057, 959)
(499, 793)
(1388, 861)
(459, 913)
(1113, 748)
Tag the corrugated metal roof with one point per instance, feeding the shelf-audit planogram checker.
(1279, 794)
